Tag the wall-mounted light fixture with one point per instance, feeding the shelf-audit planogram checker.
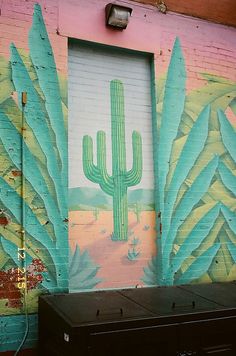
(117, 16)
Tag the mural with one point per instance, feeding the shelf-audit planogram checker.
(117, 184)
(111, 196)
(195, 160)
(33, 149)
(122, 232)
(82, 271)
(195, 195)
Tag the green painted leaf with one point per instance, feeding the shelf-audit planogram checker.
(194, 239)
(13, 202)
(222, 262)
(192, 196)
(31, 172)
(230, 217)
(13, 115)
(4, 257)
(199, 266)
(82, 271)
(228, 178)
(12, 250)
(172, 110)
(192, 148)
(36, 119)
(33, 247)
(150, 277)
(199, 98)
(6, 86)
(232, 250)
(228, 134)
(43, 59)
(216, 78)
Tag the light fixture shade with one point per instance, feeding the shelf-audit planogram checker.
(117, 16)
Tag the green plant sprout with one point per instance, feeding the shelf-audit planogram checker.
(133, 254)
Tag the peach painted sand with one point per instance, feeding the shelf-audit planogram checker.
(116, 270)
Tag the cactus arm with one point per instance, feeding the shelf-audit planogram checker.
(106, 182)
(96, 174)
(133, 176)
(90, 170)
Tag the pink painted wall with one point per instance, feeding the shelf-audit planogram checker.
(207, 47)
(16, 20)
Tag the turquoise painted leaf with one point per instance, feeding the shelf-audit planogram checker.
(173, 106)
(31, 172)
(82, 271)
(12, 250)
(227, 177)
(85, 276)
(12, 201)
(190, 152)
(42, 57)
(73, 261)
(149, 280)
(230, 217)
(85, 285)
(228, 134)
(194, 239)
(79, 261)
(36, 119)
(199, 266)
(212, 78)
(232, 250)
(150, 277)
(151, 272)
(192, 196)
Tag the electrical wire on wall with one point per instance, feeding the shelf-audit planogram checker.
(22, 273)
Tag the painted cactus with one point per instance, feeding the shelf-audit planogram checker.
(117, 184)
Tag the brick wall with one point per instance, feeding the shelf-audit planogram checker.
(193, 98)
(220, 12)
(34, 243)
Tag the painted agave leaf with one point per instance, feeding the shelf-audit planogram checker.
(199, 266)
(228, 135)
(82, 271)
(232, 250)
(43, 141)
(172, 109)
(196, 180)
(193, 240)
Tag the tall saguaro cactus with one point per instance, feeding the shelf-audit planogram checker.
(117, 184)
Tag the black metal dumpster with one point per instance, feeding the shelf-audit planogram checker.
(161, 321)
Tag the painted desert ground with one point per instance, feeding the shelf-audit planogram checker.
(121, 263)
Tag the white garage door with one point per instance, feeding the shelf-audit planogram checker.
(91, 70)
(113, 229)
